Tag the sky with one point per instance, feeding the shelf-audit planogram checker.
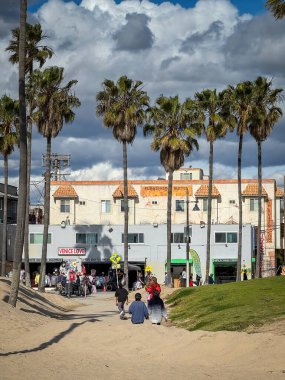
(174, 48)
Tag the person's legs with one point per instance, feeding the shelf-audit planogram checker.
(121, 309)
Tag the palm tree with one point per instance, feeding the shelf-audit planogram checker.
(39, 54)
(265, 115)
(53, 107)
(174, 127)
(241, 99)
(21, 208)
(9, 112)
(123, 106)
(214, 107)
(277, 7)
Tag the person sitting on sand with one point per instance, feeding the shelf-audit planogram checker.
(138, 310)
(156, 309)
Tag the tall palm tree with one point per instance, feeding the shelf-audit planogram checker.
(123, 106)
(21, 208)
(174, 127)
(264, 116)
(35, 53)
(241, 99)
(277, 7)
(213, 105)
(54, 106)
(9, 113)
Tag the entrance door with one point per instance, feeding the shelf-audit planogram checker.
(225, 272)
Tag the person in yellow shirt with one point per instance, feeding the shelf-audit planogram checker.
(37, 278)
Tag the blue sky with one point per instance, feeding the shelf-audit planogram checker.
(245, 6)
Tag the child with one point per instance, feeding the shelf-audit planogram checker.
(121, 298)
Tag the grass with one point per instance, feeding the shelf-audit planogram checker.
(232, 307)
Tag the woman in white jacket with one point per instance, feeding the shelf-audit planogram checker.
(156, 309)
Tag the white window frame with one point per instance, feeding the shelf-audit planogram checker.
(40, 234)
(140, 238)
(253, 201)
(205, 202)
(183, 175)
(122, 207)
(63, 200)
(104, 202)
(180, 234)
(226, 232)
(86, 239)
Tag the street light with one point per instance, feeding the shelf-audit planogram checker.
(195, 208)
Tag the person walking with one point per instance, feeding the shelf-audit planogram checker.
(153, 285)
(121, 299)
(138, 310)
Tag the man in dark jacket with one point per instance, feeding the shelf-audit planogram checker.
(138, 310)
(121, 298)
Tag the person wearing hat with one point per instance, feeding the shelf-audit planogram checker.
(138, 310)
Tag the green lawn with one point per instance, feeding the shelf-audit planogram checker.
(233, 306)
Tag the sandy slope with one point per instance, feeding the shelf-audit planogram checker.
(41, 339)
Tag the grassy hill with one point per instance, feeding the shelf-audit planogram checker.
(233, 306)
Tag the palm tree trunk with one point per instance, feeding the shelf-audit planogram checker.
(258, 253)
(26, 240)
(21, 208)
(238, 278)
(209, 217)
(169, 207)
(126, 214)
(4, 226)
(46, 218)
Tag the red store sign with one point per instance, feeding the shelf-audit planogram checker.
(71, 251)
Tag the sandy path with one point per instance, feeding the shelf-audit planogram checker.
(93, 342)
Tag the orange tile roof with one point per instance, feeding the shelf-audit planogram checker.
(252, 191)
(279, 193)
(203, 191)
(65, 191)
(119, 192)
(160, 182)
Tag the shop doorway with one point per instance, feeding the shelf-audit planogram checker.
(225, 271)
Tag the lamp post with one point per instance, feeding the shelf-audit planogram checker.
(195, 208)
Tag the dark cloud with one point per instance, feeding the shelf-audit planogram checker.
(10, 15)
(197, 39)
(167, 62)
(257, 45)
(135, 35)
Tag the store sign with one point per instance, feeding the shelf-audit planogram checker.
(71, 251)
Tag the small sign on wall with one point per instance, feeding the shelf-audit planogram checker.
(71, 251)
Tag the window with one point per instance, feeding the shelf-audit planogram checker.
(185, 176)
(225, 237)
(89, 238)
(1, 203)
(177, 237)
(253, 204)
(38, 238)
(231, 237)
(232, 202)
(154, 202)
(123, 207)
(134, 238)
(82, 203)
(106, 206)
(65, 205)
(180, 205)
(205, 204)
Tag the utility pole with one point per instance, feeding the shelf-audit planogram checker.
(187, 238)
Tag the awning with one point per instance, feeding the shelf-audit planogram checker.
(180, 261)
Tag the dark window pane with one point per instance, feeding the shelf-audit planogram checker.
(220, 237)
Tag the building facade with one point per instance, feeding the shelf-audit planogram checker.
(12, 202)
(101, 202)
(94, 244)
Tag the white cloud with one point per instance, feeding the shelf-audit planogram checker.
(189, 50)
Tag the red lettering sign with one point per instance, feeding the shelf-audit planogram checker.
(71, 251)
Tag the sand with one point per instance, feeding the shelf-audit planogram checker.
(48, 336)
